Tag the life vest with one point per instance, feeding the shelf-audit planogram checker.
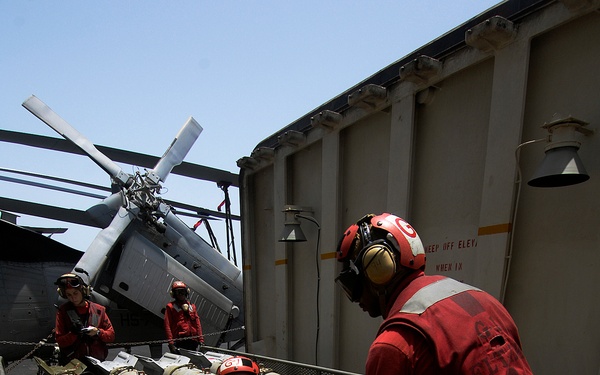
(85, 345)
(469, 330)
(184, 323)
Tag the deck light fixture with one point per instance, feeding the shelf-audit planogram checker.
(292, 231)
(561, 165)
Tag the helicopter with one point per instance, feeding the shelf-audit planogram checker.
(141, 248)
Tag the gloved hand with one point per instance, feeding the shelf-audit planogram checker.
(76, 328)
(173, 349)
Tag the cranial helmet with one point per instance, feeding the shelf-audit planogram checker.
(72, 280)
(377, 247)
(238, 365)
(179, 285)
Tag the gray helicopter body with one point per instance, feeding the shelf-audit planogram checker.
(141, 249)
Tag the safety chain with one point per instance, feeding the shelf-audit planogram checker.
(138, 343)
(36, 347)
(44, 342)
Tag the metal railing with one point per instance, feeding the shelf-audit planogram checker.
(282, 367)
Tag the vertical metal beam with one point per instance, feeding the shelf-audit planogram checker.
(282, 277)
(504, 135)
(329, 293)
(401, 152)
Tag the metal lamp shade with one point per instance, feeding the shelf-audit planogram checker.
(561, 167)
(292, 233)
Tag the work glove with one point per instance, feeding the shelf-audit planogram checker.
(76, 328)
(173, 349)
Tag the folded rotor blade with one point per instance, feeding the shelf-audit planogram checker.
(103, 213)
(48, 116)
(179, 148)
(196, 171)
(97, 253)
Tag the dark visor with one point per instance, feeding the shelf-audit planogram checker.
(351, 284)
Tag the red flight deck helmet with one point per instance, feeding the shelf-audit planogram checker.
(238, 365)
(177, 286)
(72, 280)
(377, 247)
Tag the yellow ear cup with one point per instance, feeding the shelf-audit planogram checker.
(379, 264)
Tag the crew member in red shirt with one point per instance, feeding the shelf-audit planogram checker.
(82, 326)
(182, 322)
(432, 324)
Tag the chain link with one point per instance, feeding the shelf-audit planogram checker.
(138, 343)
(36, 347)
(124, 344)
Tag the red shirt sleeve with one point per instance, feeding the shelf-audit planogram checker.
(168, 319)
(400, 350)
(106, 332)
(62, 332)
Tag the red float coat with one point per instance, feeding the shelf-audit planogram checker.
(181, 324)
(438, 325)
(77, 346)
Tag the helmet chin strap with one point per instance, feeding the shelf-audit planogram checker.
(383, 297)
(384, 292)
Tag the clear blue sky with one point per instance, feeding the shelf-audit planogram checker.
(127, 74)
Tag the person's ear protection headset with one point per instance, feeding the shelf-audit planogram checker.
(378, 260)
(71, 280)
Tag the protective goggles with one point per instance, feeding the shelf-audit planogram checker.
(69, 282)
(181, 292)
